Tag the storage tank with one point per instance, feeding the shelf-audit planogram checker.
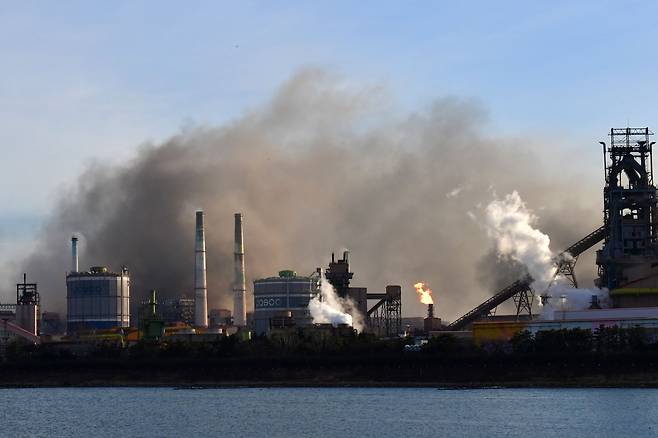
(27, 317)
(97, 299)
(283, 298)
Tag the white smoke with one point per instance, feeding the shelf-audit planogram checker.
(328, 308)
(509, 223)
(565, 298)
(455, 192)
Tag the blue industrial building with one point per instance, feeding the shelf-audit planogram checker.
(98, 299)
(283, 301)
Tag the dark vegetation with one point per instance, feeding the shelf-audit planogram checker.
(606, 357)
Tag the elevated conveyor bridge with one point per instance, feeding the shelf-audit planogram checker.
(565, 263)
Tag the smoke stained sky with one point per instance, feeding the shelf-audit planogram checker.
(323, 165)
(90, 80)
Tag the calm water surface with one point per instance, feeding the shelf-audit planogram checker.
(310, 412)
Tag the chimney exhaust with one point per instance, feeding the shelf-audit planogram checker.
(239, 282)
(200, 286)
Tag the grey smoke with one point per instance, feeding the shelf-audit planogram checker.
(321, 166)
(495, 271)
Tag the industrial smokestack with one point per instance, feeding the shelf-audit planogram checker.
(239, 282)
(200, 286)
(74, 254)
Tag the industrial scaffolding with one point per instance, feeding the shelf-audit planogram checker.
(385, 317)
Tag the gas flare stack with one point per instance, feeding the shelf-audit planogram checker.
(431, 323)
(200, 285)
(239, 282)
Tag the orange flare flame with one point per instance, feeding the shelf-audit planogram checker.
(424, 293)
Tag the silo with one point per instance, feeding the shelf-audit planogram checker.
(283, 300)
(97, 299)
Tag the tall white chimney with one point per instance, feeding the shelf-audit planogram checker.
(239, 282)
(74, 254)
(200, 286)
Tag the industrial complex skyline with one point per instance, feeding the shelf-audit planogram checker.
(77, 92)
(329, 218)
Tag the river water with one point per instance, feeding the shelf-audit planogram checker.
(328, 412)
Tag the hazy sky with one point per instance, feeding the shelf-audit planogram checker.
(82, 81)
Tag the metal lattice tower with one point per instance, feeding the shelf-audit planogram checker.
(385, 317)
(523, 301)
(26, 293)
(567, 269)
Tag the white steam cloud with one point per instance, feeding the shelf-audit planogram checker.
(563, 297)
(328, 308)
(454, 192)
(510, 224)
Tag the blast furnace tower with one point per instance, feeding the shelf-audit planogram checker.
(628, 261)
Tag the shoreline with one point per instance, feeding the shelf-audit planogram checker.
(441, 386)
